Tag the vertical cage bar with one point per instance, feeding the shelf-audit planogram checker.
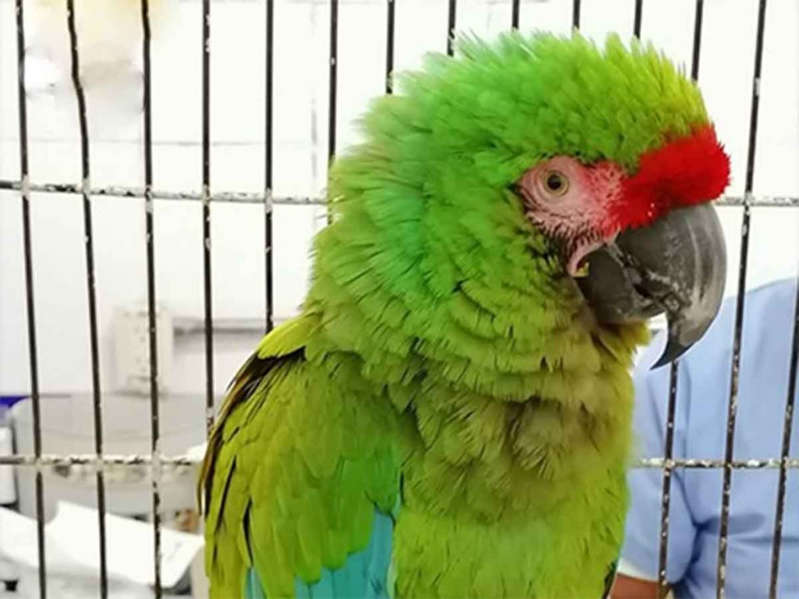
(332, 84)
(639, 6)
(206, 142)
(331, 130)
(786, 448)
(29, 299)
(268, 205)
(732, 408)
(514, 19)
(451, 27)
(576, 14)
(697, 39)
(90, 286)
(673, 382)
(155, 429)
(390, 47)
(665, 496)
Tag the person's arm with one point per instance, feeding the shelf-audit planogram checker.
(627, 587)
(633, 583)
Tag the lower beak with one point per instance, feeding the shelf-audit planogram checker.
(677, 265)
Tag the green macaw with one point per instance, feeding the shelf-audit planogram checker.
(450, 414)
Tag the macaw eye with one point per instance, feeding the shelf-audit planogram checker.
(556, 182)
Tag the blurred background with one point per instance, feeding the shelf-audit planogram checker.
(109, 33)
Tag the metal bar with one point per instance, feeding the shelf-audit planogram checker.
(155, 429)
(732, 408)
(576, 14)
(514, 19)
(702, 463)
(332, 83)
(101, 138)
(639, 5)
(243, 197)
(665, 497)
(673, 383)
(697, 39)
(90, 286)
(139, 192)
(46, 460)
(206, 200)
(759, 201)
(750, 158)
(91, 459)
(390, 47)
(786, 448)
(451, 27)
(268, 204)
(333, 72)
(29, 299)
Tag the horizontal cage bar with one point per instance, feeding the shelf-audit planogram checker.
(243, 197)
(182, 460)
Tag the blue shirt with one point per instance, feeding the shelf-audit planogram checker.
(700, 432)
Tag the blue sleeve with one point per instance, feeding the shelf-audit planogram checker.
(642, 534)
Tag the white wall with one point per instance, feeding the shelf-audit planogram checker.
(237, 120)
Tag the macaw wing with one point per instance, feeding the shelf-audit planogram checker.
(299, 478)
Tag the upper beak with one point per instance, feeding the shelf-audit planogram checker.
(676, 265)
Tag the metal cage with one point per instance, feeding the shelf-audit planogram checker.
(158, 462)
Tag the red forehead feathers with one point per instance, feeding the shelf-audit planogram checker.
(685, 171)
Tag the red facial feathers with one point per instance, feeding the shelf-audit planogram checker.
(685, 171)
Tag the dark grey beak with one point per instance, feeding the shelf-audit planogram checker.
(677, 265)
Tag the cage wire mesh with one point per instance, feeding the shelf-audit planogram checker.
(209, 196)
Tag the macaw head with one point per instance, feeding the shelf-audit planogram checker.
(630, 208)
(525, 165)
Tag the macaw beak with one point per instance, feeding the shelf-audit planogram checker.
(676, 265)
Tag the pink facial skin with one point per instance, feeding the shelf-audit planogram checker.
(570, 202)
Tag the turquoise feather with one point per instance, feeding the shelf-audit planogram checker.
(363, 576)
